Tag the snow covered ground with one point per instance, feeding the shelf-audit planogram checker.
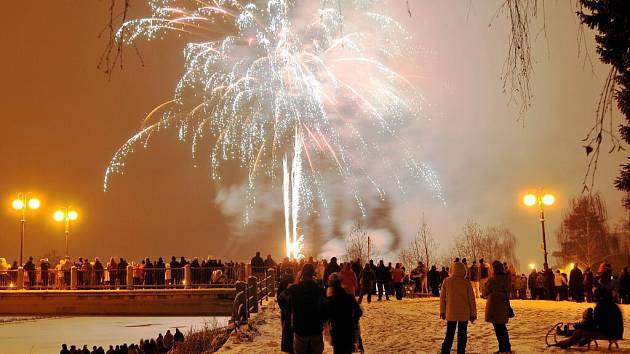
(413, 326)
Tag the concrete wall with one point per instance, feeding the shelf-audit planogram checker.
(175, 302)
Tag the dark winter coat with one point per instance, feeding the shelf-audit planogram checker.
(368, 277)
(575, 281)
(607, 317)
(496, 291)
(307, 302)
(531, 281)
(332, 267)
(383, 275)
(344, 313)
(285, 316)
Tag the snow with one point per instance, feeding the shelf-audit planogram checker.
(413, 326)
(47, 334)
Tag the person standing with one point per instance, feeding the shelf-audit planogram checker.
(368, 277)
(286, 342)
(434, 281)
(588, 284)
(498, 310)
(397, 277)
(332, 267)
(457, 307)
(559, 283)
(383, 276)
(474, 278)
(349, 279)
(576, 280)
(258, 265)
(531, 283)
(343, 314)
(307, 302)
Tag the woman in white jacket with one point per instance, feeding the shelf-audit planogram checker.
(457, 307)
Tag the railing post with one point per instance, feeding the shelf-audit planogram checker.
(241, 299)
(187, 276)
(129, 277)
(252, 290)
(20, 278)
(271, 286)
(73, 278)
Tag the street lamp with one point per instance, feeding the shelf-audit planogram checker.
(541, 200)
(21, 203)
(66, 215)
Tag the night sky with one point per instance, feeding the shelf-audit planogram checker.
(62, 119)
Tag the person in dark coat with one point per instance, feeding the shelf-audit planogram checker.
(343, 315)
(576, 280)
(383, 276)
(29, 268)
(368, 277)
(624, 286)
(307, 302)
(549, 284)
(332, 267)
(286, 344)
(588, 282)
(178, 337)
(497, 291)
(434, 280)
(531, 283)
(357, 268)
(258, 265)
(98, 272)
(607, 322)
(122, 272)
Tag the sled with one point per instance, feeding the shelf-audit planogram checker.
(565, 330)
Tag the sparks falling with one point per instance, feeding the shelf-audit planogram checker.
(263, 85)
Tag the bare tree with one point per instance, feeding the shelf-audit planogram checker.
(357, 243)
(421, 248)
(491, 243)
(584, 234)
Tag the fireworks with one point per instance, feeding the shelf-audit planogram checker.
(266, 86)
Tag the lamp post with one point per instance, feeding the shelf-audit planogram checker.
(541, 200)
(65, 215)
(21, 203)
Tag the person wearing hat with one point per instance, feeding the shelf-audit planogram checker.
(498, 310)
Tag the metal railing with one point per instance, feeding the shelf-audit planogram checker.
(186, 277)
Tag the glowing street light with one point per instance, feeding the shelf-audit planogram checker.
(532, 266)
(65, 215)
(23, 202)
(541, 200)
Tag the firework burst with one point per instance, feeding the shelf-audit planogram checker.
(269, 81)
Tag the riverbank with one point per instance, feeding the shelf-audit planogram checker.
(413, 326)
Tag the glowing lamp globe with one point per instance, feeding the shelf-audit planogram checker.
(73, 215)
(34, 203)
(548, 199)
(530, 200)
(58, 215)
(532, 266)
(18, 204)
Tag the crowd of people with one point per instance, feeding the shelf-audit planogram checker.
(161, 344)
(145, 273)
(320, 298)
